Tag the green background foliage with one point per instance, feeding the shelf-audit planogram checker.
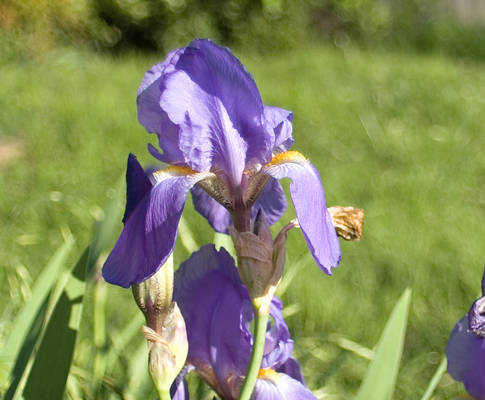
(392, 128)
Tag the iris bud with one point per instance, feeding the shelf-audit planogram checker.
(154, 295)
(165, 334)
(260, 260)
(167, 349)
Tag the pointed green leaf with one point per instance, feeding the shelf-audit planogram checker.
(381, 376)
(105, 229)
(53, 356)
(30, 311)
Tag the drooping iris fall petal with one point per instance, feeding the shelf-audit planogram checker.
(308, 197)
(151, 222)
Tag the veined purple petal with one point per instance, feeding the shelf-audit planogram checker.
(214, 101)
(466, 359)
(149, 234)
(309, 200)
(151, 115)
(281, 122)
(272, 385)
(217, 313)
(211, 296)
(272, 201)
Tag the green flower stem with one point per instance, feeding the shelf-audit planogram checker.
(163, 394)
(259, 336)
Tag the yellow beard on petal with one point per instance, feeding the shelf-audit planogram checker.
(287, 156)
(268, 373)
(173, 170)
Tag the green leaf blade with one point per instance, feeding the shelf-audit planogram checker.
(381, 375)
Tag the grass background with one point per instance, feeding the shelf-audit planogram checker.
(397, 134)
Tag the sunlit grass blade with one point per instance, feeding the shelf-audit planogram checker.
(26, 351)
(105, 229)
(31, 309)
(48, 376)
(46, 371)
(381, 375)
(435, 380)
(121, 339)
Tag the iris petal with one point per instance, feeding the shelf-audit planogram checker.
(280, 120)
(151, 115)
(217, 313)
(277, 386)
(137, 185)
(466, 359)
(149, 234)
(309, 200)
(214, 101)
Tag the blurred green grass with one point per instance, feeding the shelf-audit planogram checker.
(397, 134)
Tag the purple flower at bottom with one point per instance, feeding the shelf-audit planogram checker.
(217, 313)
(226, 147)
(466, 349)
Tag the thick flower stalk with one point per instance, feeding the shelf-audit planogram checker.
(466, 349)
(218, 311)
(223, 144)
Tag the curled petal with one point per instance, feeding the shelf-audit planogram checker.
(466, 359)
(281, 122)
(151, 115)
(216, 105)
(272, 385)
(309, 200)
(149, 234)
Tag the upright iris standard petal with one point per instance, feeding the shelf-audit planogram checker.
(150, 230)
(272, 201)
(466, 359)
(280, 120)
(309, 200)
(216, 105)
(217, 312)
(151, 115)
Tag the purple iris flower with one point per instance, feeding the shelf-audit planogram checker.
(228, 148)
(466, 349)
(217, 312)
